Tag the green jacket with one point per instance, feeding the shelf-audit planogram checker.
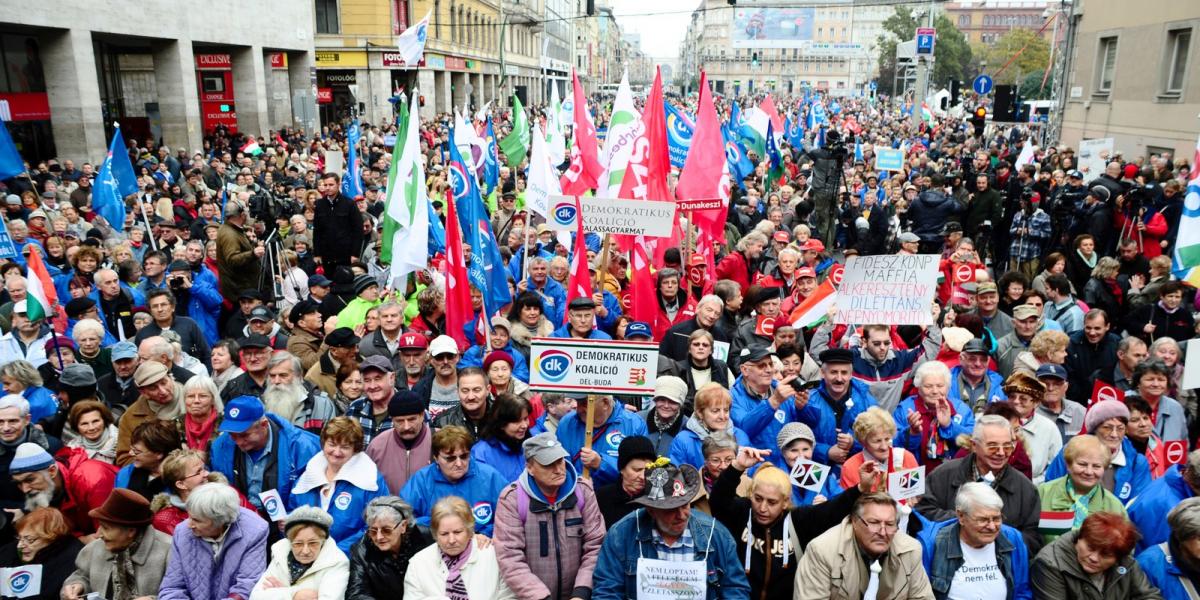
(355, 312)
(1055, 499)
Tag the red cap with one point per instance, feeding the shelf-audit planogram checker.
(814, 245)
(696, 261)
(1131, 171)
(805, 272)
(782, 236)
(413, 341)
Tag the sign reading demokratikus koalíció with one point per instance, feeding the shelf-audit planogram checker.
(592, 366)
(650, 218)
(889, 289)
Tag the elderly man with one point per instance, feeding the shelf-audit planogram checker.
(976, 556)
(1066, 416)
(406, 447)
(342, 347)
(1026, 321)
(239, 261)
(674, 344)
(379, 386)
(292, 398)
(757, 331)
(221, 553)
(255, 352)
(128, 560)
(866, 556)
(552, 293)
(16, 428)
(581, 322)
(670, 544)
(615, 423)
(762, 405)
(833, 407)
(993, 446)
(116, 304)
(74, 484)
(741, 266)
(442, 392)
(258, 451)
(972, 381)
(161, 397)
(307, 333)
(548, 526)
(157, 348)
(27, 339)
(118, 387)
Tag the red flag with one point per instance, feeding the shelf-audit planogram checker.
(1102, 390)
(458, 287)
(585, 169)
(643, 305)
(768, 106)
(705, 173)
(579, 285)
(650, 163)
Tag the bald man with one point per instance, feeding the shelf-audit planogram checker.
(116, 304)
(156, 348)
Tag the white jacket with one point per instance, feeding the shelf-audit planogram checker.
(10, 350)
(427, 572)
(328, 574)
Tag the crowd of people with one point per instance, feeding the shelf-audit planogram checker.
(232, 398)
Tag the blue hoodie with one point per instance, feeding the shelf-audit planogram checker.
(564, 331)
(480, 487)
(296, 446)
(995, 386)
(357, 483)
(1149, 509)
(1129, 480)
(819, 415)
(42, 403)
(493, 453)
(756, 417)
(606, 438)
(963, 422)
(1162, 572)
(687, 447)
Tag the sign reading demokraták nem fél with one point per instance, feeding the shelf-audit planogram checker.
(889, 289)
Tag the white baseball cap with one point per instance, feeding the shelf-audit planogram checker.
(443, 344)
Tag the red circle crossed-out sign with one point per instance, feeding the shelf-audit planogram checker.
(835, 274)
(1175, 451)
(1106, 392)
(963, 273)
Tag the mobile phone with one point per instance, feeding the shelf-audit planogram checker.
(803, 386)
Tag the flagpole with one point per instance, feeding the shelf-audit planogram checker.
(149, 229)
(588, 429)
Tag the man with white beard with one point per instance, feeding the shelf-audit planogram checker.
(74, 484)
(294, 399)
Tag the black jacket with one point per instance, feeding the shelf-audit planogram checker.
(718, 371)
(614, 503)
(1178, 325)
(57, 561)
(1022, 505)
(930, 212)
(984, 206)
(117, 314)
(337, 230)
(375, 574)
(674, 344)
(1083, 359)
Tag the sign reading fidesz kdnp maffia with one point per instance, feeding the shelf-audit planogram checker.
(891, 289)
(573, 366)
(650, 218)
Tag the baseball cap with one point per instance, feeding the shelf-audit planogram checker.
(986, 287)
(782, 237)
(1052, 370)
(342, 337)
(1075, 174)
(302, 308)
(376, 362)
(814, 245)
(443, 344)
(413, 340)
(255, 340)
(543, 448)
(1024, 311)
(805, 272)
(123, 351)
(499, 321)
(261, 313)
(975, 346)
(319, 280)
(756, 353)
(242, 413)
(638, 329)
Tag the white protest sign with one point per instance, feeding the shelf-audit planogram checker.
(650, 218)
(273, 504)
(890, 289)
(888, 159)
(573, 366)
(335, 161)
(809, 475)
(1191, 367)
(1094, 155)
(721, 351)
(670, 580)
(21, 582)
(909, 483)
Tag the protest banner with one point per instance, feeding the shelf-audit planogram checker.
(7, 248)
(888, 159)
(908, 483)
(335, 161)
(572, 366)
(21, 582)
(1191, 368)
(1094, 155)
(888, 289)
(650, 218)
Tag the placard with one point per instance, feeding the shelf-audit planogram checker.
(1175, 452)
(335, 161)
(890, 289)
(671, 580)
(21, 582)
(906, 484)
(7, 248)
(1094, 156)
(568, 365)
(273, 504)
(1191, 367)
(888, 159)
(650, 218)
(1102, 390)
(809, 475)
(721, 351)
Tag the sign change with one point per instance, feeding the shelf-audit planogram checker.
(613, 215)
(572, 366)
(888, 289)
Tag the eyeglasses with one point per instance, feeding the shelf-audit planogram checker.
(982, 521)
(885, 527)
(202, 471)
(1006, 447)
(453, 458)
(314, 544)
(27, 540)
(1109, 428)
(378, 531)
(718, 461)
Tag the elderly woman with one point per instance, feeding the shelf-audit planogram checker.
(455, 472)
(91, 426)
(1094, 562)
(349, 382)
(796, 442)
(930, 423)
(1040, 436)
(455, 566)
(43, 539)
(1046, 347)
(341, 479)
(1068, 500)
(501, 436)
(88, 335)
(1128, 472)
(202, 412)
(20, 377)
(150, 443)
(876, 431)
(223, 363)
(499, 369)
(1102, 290)
(127, 559)
(700, 368)
(713, 403)
(379, 561)
(1151, 380)
(1174, 565)
(306, 564)
(770, 516)
(1167, 350)
(528, 319)
(221, 552)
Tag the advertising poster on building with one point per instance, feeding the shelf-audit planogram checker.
(771, 27)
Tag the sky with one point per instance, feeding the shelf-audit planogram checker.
(661, 33)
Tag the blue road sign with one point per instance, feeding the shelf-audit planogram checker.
(982, 85)
(925, 40)
(874, 86)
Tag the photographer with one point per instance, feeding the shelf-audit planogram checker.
(984, 206)
(930, 212)
(1065, 202)
(1138, 218)
(196, 297)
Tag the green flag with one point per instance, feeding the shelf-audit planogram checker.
(391, 225)
(406, 214)
(516, 145)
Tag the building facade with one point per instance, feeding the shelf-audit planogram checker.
(1133, 76)
(985, 21)
(162, 70)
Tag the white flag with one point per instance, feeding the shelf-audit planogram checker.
(407, 203)
(543, 177)
(624, 129)
(411, 43)
(556, 143)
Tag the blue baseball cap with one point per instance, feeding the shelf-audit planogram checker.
(1052, 370)
(123, 351)
(241, 413)
(638, 329)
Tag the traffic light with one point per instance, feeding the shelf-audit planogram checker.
(754, 59)
(955, 90)
(978, 120)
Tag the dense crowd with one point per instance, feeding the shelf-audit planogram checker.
(232, 398)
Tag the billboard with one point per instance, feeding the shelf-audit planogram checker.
(772, 27)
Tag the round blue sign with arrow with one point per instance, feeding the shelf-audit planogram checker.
(982, 85)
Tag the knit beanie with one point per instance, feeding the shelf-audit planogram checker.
(1103, 411)
(28, 458)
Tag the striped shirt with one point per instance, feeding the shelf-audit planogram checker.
(683, 550)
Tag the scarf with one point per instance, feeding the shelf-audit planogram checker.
(167, 412)
(100, 445)
(932, 444)
(199, 432)
(1114, 288)
(456, 588)
(124, 578)
(1091, 263)
(296, 569)
(1079, 504)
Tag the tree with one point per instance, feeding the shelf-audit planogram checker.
(952, 54)
(1035, 56)
(1031, 86)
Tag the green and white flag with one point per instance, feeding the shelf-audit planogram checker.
(624, 129)
(406, 213)
(515, 145)
(556, 143)
(754, 131)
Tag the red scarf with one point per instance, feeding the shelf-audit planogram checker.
(199, 433)
(933, 447)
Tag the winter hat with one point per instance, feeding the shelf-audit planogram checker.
(1103, 411)
(29, 458)
(404, 403)
(794, 431)
(635, 446)
(670, 387)
(362, 282)
(308, 515)
(956, 338)
(495, 356)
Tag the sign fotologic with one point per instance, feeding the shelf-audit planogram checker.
(592, 366)
(888, 289)
(650, 218)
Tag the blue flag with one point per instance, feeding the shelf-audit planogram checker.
(795, 132)
(11, 164)
(437, 233)
(775, 160)
(679, 135)
(352, 186)
(113, 183)
(858, 152)
(740, 165)
(491, 160)
(486, 270)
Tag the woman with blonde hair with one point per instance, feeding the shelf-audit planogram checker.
(454, 567)
(1102, 290)
(1046, 347)
(876, 431)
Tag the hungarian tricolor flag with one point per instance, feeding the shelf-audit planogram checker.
(815, 308)
(458, 287)
(252, 148)
(40, 297)
(1056, 522)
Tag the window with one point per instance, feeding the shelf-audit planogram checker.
(1178, 44)
(327, 16)
(1106, 62)
(437, 19)
(964, 20)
